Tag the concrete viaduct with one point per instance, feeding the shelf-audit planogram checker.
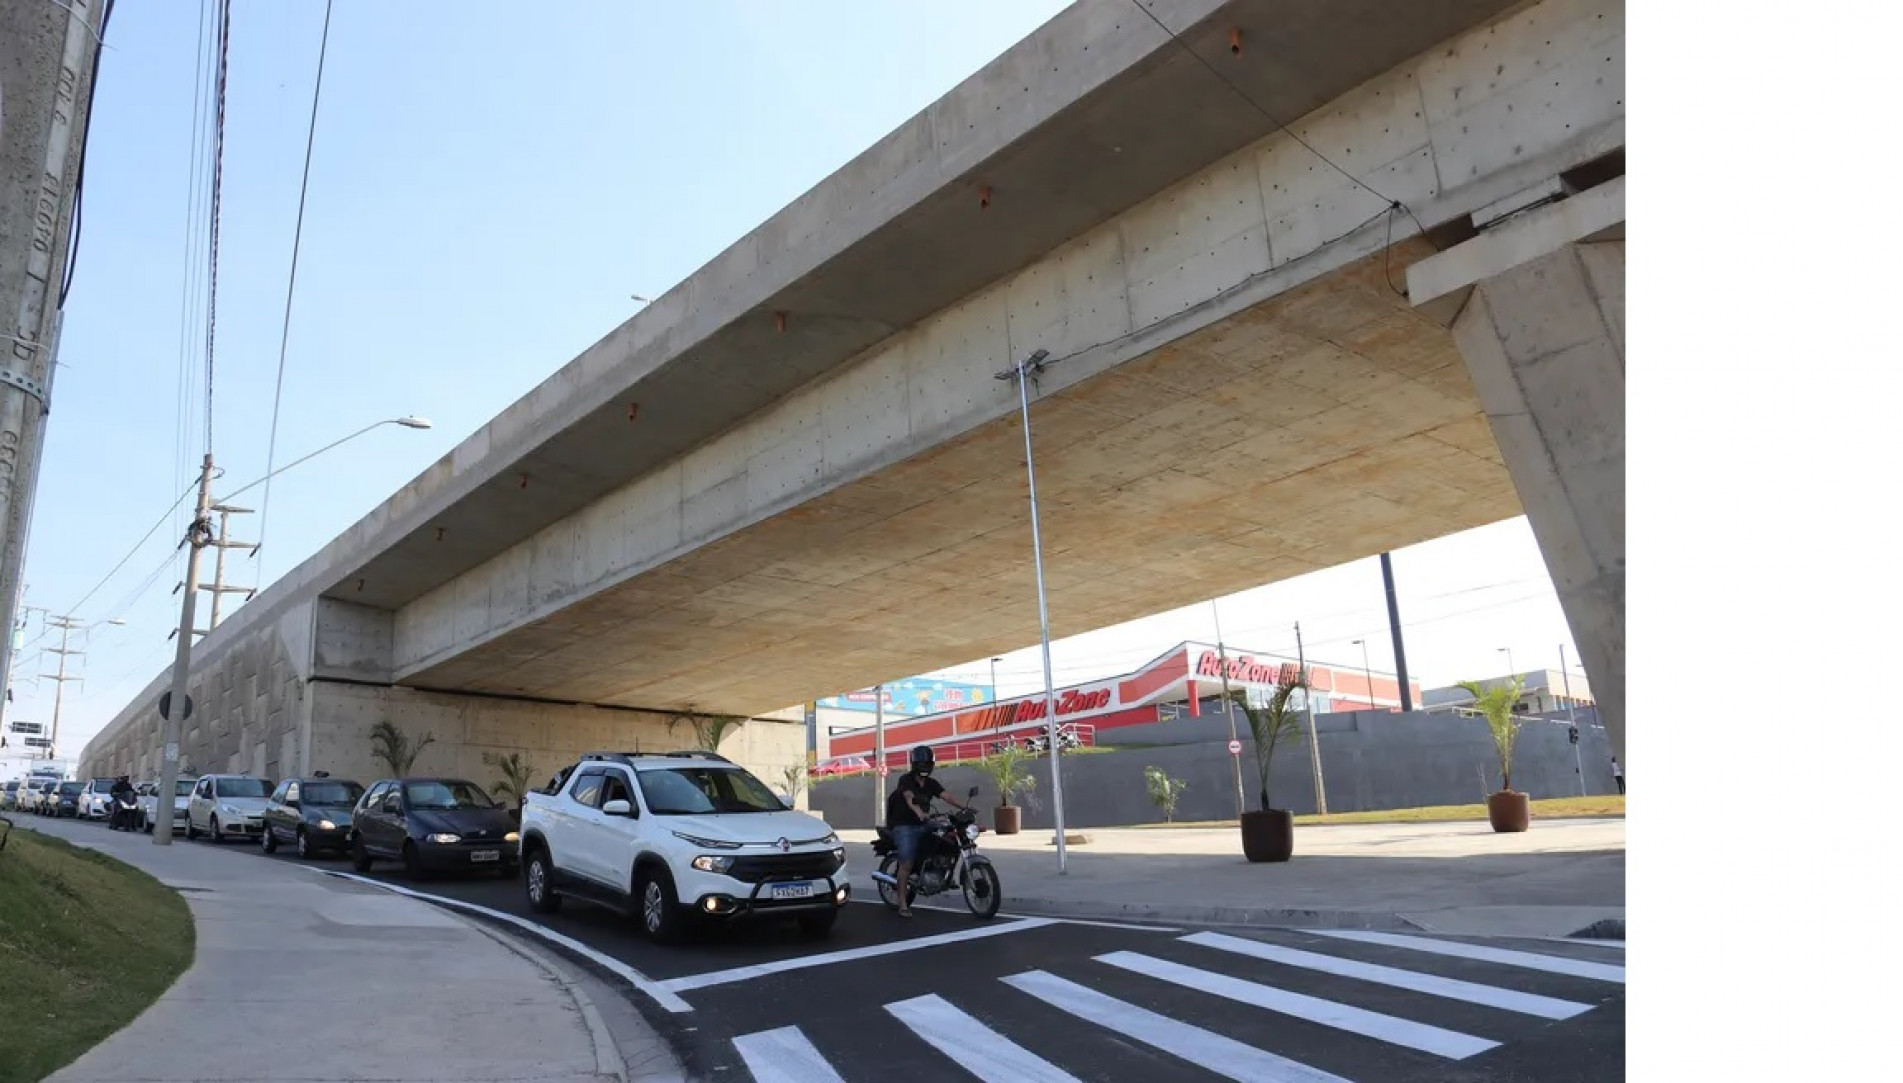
(797, 472)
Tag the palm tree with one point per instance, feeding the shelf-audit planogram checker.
(394, 748)
(1496, 706)
(794, 775)
(1274, 723)
(516, 775)
(709, 729)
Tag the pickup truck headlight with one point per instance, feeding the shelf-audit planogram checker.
(443, 840)
(709, 863)
(706, 844)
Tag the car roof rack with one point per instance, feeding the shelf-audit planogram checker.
(629, 757)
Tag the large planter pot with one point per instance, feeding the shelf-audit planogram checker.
(1268, 836)
(1508, 810)
(1004, 819)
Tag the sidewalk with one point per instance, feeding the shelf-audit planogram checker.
(300, 976)
(1558, 879)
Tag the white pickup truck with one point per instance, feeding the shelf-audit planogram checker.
(674, 836)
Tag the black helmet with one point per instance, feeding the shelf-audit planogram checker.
(922, 760)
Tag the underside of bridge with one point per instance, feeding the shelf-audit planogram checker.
(1328, 424)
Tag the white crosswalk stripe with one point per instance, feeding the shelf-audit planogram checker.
(1387, 1028)
(1216, 999)
(973, 1046)
(1552, 964)
(1511, 1000)
(1224, 1056)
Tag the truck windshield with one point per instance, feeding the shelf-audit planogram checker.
(693, 791)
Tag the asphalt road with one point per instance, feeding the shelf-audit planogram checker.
(1029, 1000)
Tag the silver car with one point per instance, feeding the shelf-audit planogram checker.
(181, 805)
(228, 806)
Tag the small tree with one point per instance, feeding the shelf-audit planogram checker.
(516, 775)
(1164, 791)
(395, 749)
(1008, 772)
(1496, 706)
(794, 775)
(1273, 724)
(709, 729)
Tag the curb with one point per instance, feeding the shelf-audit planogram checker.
(609, 1064)
(1609, 929)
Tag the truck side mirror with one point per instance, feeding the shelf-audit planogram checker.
(617, 807)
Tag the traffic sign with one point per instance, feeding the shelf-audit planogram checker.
(1235, 748)
(883, 769)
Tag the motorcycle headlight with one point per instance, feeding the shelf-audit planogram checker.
(971, 831)
(443, 840)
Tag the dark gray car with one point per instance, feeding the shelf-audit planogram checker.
(312, 814)
(431, 824)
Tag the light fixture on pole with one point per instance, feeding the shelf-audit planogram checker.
(176, 705)
(1367, 672)
(1022, 373)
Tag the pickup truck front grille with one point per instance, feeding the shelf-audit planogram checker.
(754, 869)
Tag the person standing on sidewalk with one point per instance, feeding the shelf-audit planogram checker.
(1618, 774)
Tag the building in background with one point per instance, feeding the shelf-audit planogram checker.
(1544, 692)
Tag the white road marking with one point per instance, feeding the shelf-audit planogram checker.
(1392, 1029)
(784, 1056)
(1047, 917)
(973, 1046)
(1554, 964)
(661, 995)
(761, 970)
(1490, 996)
(1206, 1049)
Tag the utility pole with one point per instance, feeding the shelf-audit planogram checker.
(1572, 722)
(175, 706)
(64, 650)
(1394, 628)
(1228, 704)
(1308, 703)
(878, 755)
(217, 588)
(46, 115)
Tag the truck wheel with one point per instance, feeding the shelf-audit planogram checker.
(660, 916)
(541, 884)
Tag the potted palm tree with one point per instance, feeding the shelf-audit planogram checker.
(395, 749)
(1508, 809)
(1268, 834)
(1009, 775)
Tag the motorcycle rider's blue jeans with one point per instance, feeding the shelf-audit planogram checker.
(908, 837)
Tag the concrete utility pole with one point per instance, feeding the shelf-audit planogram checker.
(1228, 705)
(65, 651)
(217, 588)
(175, 706)
(878, 755)
(48, 55)
(1314, 746)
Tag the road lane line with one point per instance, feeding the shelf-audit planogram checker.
(784, 1056)
(1047, 917)
(1511, 1000)
(662, 996)
(1206, 1049)
(973, 1046)
(1554, 964)
(761, 970)
(1388, 1028)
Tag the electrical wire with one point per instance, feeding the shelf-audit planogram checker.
(290, 290)
(79, 178)
(190, 287)
(217, 193)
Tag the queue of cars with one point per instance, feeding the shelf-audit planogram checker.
(666, 837)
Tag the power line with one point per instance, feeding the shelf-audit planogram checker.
(217, 193)
(192, 281)
(290, 289)
(134, 552)
(79, 178)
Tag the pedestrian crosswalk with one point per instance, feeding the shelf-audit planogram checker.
(1272, 1008)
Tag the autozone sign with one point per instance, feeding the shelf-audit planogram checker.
(1070, 701)
(1246, 669)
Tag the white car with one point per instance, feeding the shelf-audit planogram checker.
(225, 806)
(669, 836)
(181, 805)
(95, 801)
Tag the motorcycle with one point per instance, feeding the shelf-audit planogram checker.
(125, 813)
(948, 857)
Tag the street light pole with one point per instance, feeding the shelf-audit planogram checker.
(1022, 374)
(1228, 704)
(1314, 745)
(174, 706)
(1367, 672)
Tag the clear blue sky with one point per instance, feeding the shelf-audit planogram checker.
(491, 183)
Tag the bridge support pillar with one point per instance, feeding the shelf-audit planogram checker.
(1537, 305)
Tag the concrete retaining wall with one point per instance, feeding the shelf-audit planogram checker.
(1370, 760)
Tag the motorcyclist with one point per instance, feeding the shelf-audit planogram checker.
(905, 812)
(122, 792)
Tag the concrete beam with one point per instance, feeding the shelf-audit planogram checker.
(1520, 239)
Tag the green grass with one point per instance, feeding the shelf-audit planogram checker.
(1556, 808)
(86, 944)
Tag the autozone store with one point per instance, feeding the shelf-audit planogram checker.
(1182, 683)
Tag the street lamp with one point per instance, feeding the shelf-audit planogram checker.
(1367, 672)
(175, 706)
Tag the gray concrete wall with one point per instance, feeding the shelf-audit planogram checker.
(1369, 761)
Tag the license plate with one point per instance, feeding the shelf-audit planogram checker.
(485, 855)
(792, 891)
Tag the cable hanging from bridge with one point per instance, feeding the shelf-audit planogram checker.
(290, 293)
